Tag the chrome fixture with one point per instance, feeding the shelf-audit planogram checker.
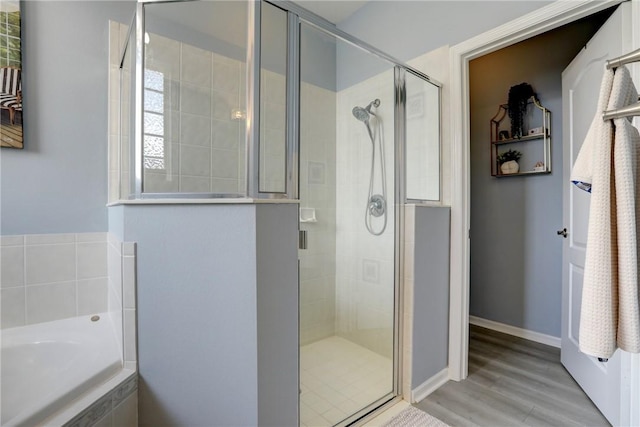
(364, 114)
(376, 203)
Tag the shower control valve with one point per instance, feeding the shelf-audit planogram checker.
(377, 205)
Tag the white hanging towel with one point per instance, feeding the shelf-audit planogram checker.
(607, 165)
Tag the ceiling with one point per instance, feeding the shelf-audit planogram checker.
(334, 11)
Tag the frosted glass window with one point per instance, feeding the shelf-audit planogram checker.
(153, 146)
(154, 126)
(153, 101)
(153, 80)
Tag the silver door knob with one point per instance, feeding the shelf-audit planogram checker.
(563, 233)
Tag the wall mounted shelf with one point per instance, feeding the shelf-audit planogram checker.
(536, 146)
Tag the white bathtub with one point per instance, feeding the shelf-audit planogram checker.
(47, 366)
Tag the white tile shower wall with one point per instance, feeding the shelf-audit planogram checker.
(203, 146)
(52, 276)
(364, 262)
(272, 131)
(317, 190)
(209, 140)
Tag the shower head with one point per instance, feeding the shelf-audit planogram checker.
(361, 114)
(364, 114)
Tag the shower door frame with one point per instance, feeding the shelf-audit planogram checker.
(301, 15)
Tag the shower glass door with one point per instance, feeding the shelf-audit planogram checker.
(347, 202)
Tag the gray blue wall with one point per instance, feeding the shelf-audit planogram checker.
(430, 293)
(516, 256)
(58, 183)
(217, 303)
(407, 29)
(197, 328)
(277, 292)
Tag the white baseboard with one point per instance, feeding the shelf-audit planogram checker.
(429, 386)
(517, 332)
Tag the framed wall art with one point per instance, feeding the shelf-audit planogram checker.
(10, 75)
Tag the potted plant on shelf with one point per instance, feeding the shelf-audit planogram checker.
(508, 162)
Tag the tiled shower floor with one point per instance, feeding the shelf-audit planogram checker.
(338, 378)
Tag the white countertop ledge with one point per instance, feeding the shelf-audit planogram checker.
(208, 201)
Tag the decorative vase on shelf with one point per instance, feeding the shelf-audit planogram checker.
(509, 167)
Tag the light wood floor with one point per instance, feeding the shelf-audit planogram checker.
(512, 382)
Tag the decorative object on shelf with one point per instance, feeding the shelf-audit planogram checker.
(519, 96)
(534, 142)
(509, 161)
(538, 167)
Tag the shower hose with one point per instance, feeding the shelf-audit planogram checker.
(375, 202)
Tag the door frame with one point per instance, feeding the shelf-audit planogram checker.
(544, 19)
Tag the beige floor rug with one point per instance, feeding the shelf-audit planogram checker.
(414, 417)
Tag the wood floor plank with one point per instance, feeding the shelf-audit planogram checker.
(512, 382)
(445, 414)
(480, 406)
(553, 385)
(540, 418)
(563, 408)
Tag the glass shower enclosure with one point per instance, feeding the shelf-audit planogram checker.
(259, 99)
(347, 271)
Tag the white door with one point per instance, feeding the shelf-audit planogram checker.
(602, 382)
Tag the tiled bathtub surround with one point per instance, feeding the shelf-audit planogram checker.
(53, 276)
(121, 260)
(117, 408)
(49, 277)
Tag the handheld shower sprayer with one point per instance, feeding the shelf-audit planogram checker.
(364, 114)
(376, 203)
